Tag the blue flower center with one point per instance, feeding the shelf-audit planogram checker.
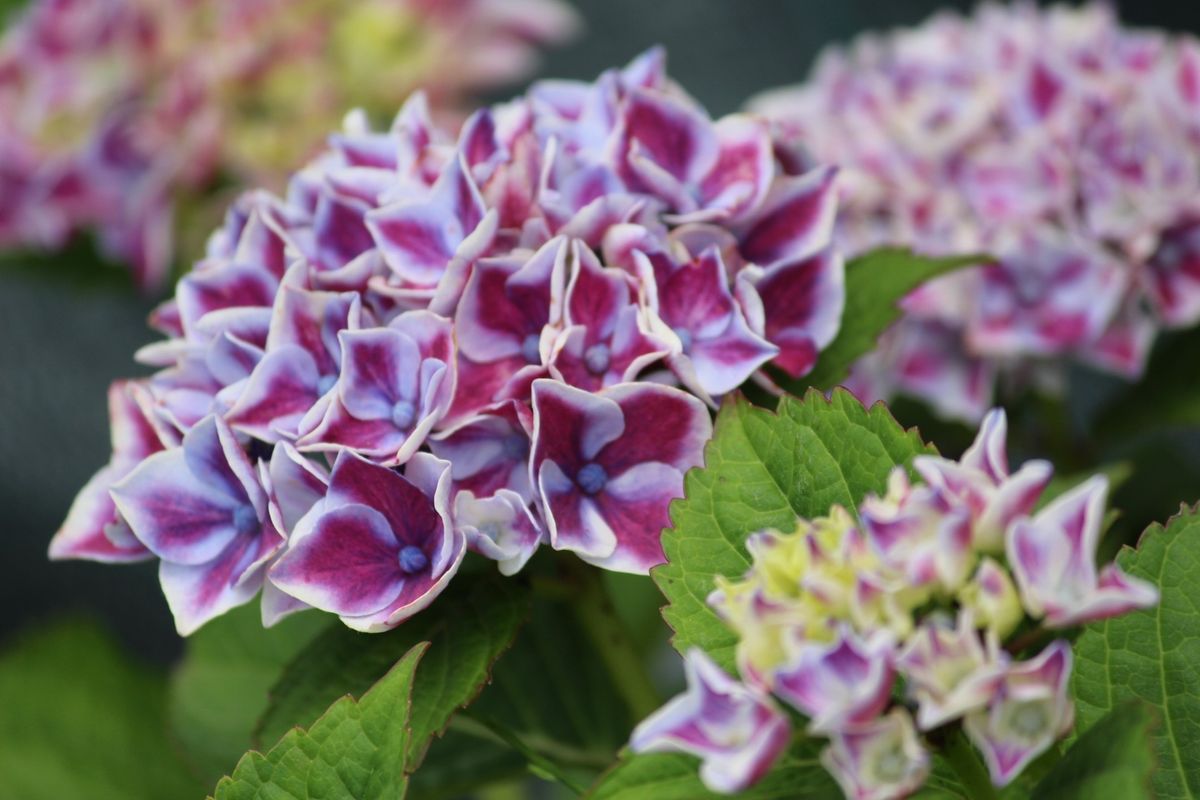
(597, 358)
(516, 447)
(245, 520)
(531, 349)
(412, 559)
(325, 383)
(685, 338)
(591, 478)
(403, 414)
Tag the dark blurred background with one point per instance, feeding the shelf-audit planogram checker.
(68, 327)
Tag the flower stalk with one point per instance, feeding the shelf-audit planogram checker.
(604, 628)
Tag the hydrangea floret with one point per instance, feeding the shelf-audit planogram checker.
(1054, 140)
(439, 343)
(121, 115)
(895, 626)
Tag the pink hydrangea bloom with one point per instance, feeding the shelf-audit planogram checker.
(548, 302)
(839, 615)
(116, 114)
(1055, 140)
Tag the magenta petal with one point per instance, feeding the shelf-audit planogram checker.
(416, 595)
(379, 367)
(725, 362)
(634, 506)
(572, 518)
(199, 593)
(338, 430)
(673, 135)
(570, 425)
(416, 239)
(178, 517)
(794, 222)
(296, 484)
(1002, 731)
(734, 728)
(280, 391)
(311, 320)
(802, 307)
(82, 534)
(845, 683)
(229, 286)
(419, 237)
(134, 432)
(989, 452)
(487, 453)
(660, 424)
(345, 563)
(408, 511)
(745, 167)
(596, 294)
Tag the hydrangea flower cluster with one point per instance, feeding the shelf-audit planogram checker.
(1055, 141)
(114, 111)
(438, 344)
(882, 627)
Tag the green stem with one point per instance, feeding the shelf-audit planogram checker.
(970, 769)
(544, 766)
(559, 753)
(598, 617)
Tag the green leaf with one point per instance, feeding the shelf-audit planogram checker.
(355, 751)
(762, 470)
(944, 782)
(468, 627)
(459, 762)
(553, 692)
(1152, 655)
(667, 776)
(77, 720)
(220, 690)
(875, 283)
(1113, 759)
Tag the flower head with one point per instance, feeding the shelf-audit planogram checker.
(861, 620)
(1056, 141)
(120, 113)
(547, 301)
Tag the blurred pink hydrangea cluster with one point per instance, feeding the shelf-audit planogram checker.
(118, 115)
(437, 344)
(1054, 140)
(920, 592)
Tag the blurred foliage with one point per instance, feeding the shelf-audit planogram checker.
(219, 691)
(78, 721)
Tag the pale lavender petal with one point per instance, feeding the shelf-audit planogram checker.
(732, 727)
